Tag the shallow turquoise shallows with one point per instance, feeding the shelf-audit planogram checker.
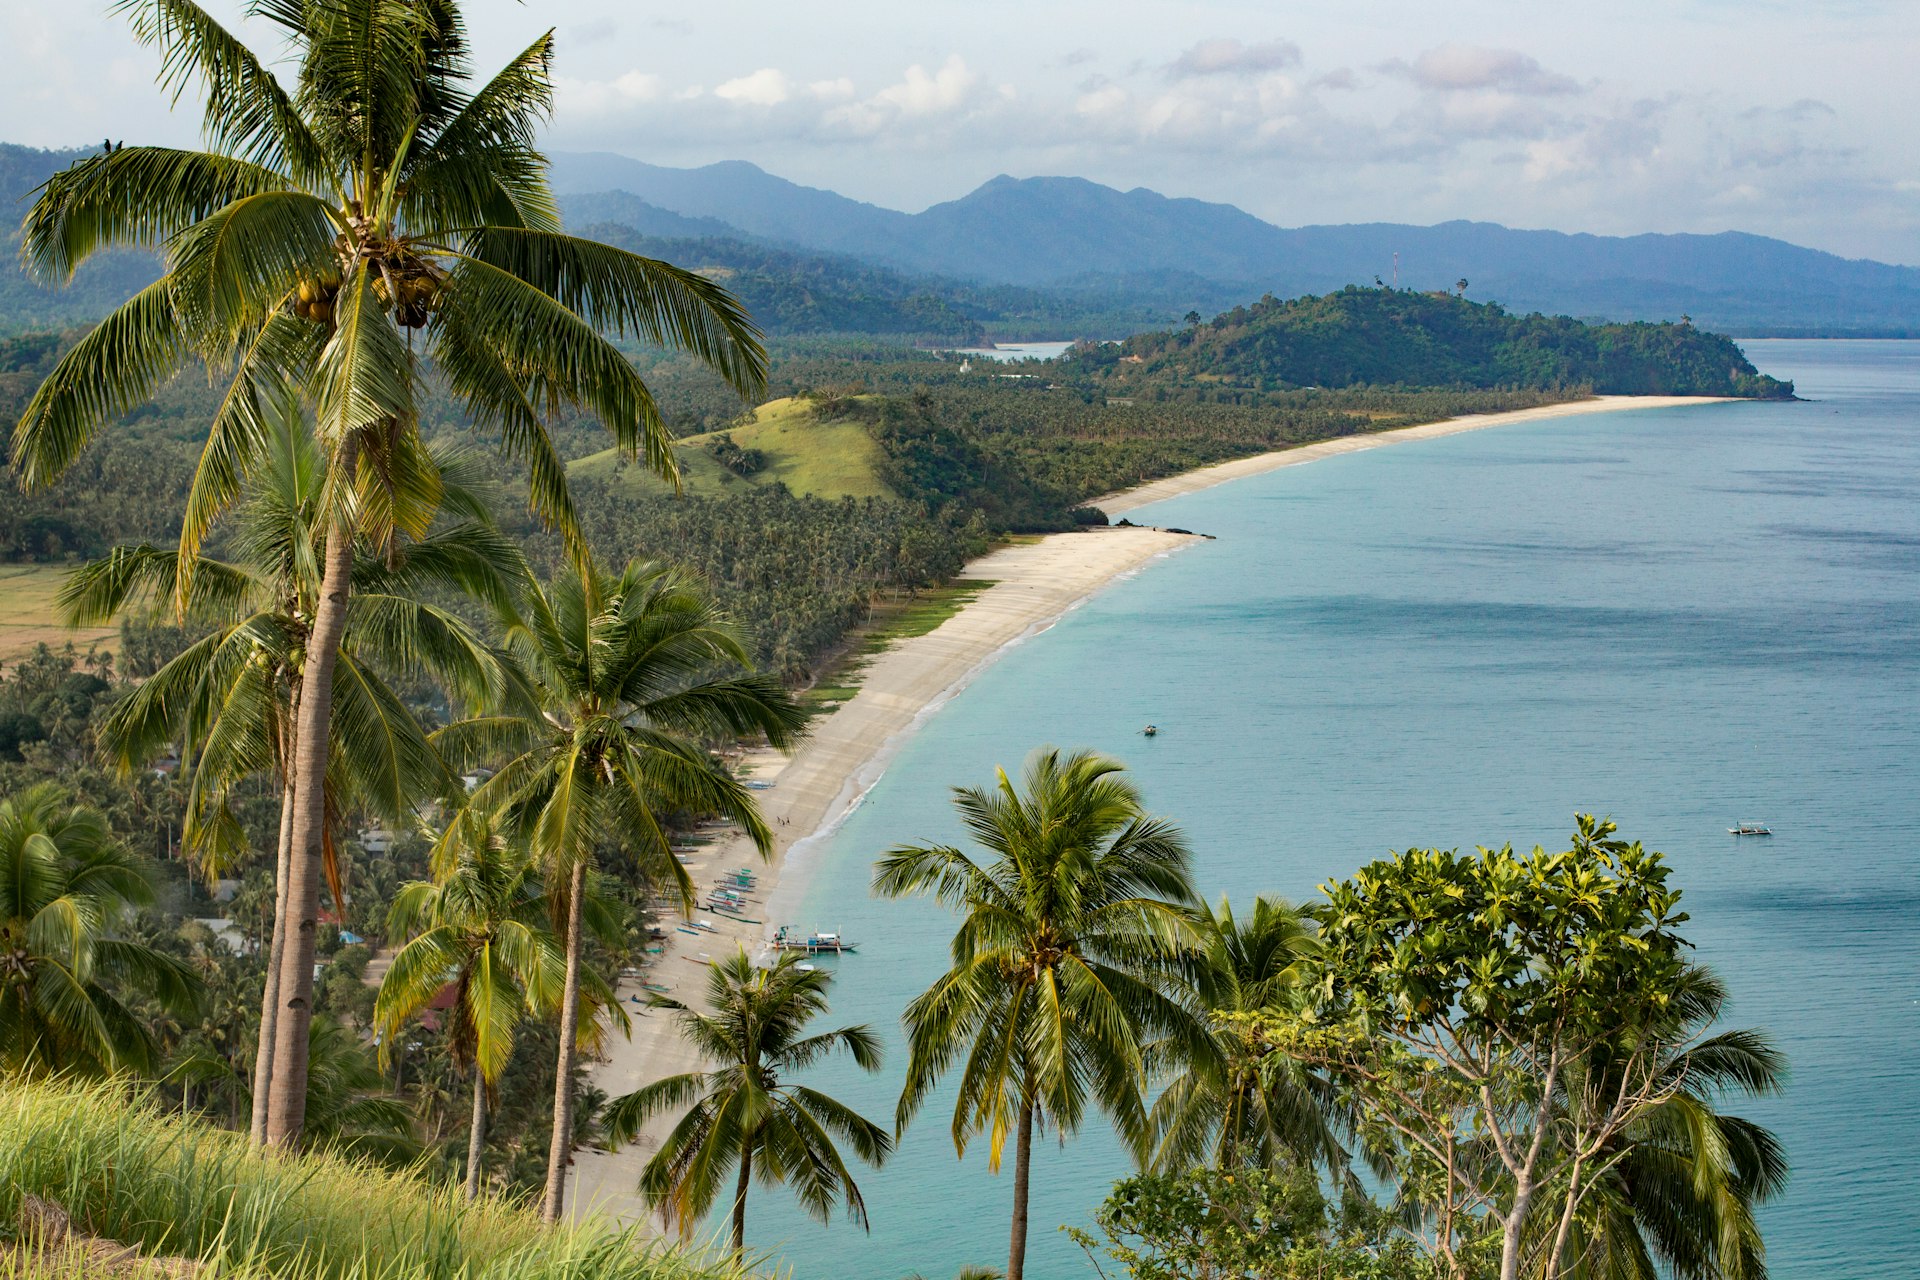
(1682, 618)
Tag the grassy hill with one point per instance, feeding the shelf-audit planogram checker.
(786, 443)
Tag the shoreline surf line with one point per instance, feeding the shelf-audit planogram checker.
(829, 775)
(1261, 463)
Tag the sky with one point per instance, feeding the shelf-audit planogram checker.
(1793, 118)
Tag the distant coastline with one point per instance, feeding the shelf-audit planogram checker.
(806, 796)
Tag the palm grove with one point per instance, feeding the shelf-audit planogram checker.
(1515, 1046)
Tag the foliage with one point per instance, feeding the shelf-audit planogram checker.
(796, 573)
(1066, 926)
(1272, 1222)
(1401, 337)
(1231, 1100)
(477, 930)
(1676, 1189)
(746, 1114)
(1462, 1000)
(633, 674)
(67, 970)
(175, 1186)
(226, 700)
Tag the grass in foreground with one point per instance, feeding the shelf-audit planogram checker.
(29, 617)
(172, 1186)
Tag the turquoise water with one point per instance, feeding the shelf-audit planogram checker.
(1680, 618)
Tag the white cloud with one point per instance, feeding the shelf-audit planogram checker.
(767, 87)
(1231, 57)
(595, 97)
(921, 93)
(919, 102)
(1454, 68)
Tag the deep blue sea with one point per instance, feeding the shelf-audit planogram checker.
(1680, 618)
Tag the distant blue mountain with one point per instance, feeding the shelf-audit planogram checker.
(1069, 233)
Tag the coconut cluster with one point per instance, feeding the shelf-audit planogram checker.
(411, 292)
(314, 300)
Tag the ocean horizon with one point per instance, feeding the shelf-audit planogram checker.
(1679, 618)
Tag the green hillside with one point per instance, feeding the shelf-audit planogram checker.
(1406, 338)
(788, 443)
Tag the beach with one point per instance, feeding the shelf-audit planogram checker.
(806, 795)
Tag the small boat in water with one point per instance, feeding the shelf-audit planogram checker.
(1150, 731)
(786, 939)
(1749, 829)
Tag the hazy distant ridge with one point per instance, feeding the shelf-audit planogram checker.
(1069, 231)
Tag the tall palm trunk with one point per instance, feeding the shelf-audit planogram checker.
(1022, 1163)
(287, 1107)
(477, 1134)
(276, 952)
(560, 1151)
(740, 1199)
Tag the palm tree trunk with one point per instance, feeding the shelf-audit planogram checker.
(1022, 1162)
(477, 1135)
(740, 1199)
(270, 989)
(287, 1104)
(560, 1151)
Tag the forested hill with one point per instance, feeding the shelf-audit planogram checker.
(97, 288)
(1401, 337)
(791, 292)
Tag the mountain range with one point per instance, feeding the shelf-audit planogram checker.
(1070, 234)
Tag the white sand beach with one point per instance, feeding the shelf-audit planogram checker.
(806, 795)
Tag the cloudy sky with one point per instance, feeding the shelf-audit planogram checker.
(1794, 118)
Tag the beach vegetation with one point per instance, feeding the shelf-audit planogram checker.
(228, 701)
(635, 673)
(476, 933)
(322, 243)
(1275, 1221)
(1080, 899)
(71, 980)
(746, 1116)
(1230, 1099)
(1509, 1027)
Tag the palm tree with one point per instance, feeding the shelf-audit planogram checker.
(348, 1105)
(65, 973)
(1058, 963)
(1680, 1185)
(634, 672)
(321, 230)
(1231, 1100)
(230, 699)
(743, 1115)
(479, 934)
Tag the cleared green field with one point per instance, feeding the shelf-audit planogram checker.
(825, 460)
(28, 616)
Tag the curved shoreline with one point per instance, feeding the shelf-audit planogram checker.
(807, 796)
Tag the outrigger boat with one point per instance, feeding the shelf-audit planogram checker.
(785, 939)
(1749, 829)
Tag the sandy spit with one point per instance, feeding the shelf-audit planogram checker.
(806, 796)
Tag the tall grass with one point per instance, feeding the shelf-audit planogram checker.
(174, 1186)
